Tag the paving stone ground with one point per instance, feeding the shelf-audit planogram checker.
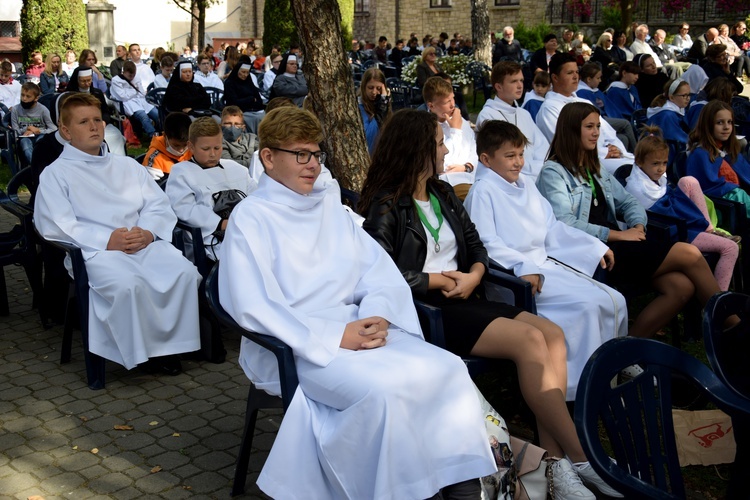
(57, 436)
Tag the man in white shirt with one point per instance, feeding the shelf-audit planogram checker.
(564, 72)
(205, 76)
(459, 136)
(507, 80)
(640, 46)
(144, 75)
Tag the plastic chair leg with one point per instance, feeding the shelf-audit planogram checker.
(95, 369)
(256, 399)
(4, 307)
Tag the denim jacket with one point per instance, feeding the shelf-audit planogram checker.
(570, 198)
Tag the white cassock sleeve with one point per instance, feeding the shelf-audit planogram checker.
(156, 215)
(187, 207)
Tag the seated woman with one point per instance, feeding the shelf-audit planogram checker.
(587, 197)
(423, 226)
(289, 82)
(240, 91)
(715, 158)
(53, 78)
(374, 104)
(667, 112)
(183, 94)
(428, 67)
(716, 65)
(336, 298)
(650, 81)
(88, 59)
(648, 184)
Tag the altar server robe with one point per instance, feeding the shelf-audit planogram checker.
(462, 149)
(520, 231)
(623, 100)
(536, 150)
(141, 305)
(547, 118)
(190, 189)
(399, 421)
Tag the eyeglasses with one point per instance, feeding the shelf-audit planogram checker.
(304, 157)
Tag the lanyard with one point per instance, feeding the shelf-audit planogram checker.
(438, 213)
(593, 188)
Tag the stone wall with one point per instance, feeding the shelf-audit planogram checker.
(417, 16)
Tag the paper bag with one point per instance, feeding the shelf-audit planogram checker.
(704, 437)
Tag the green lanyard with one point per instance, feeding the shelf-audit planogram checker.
(593, 188)
(434, 232)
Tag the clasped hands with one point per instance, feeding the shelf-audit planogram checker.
(458, 285)
(367, 333)
(131, 240)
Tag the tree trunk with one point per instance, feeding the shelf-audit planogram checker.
(480, 31)
(194, 36)
(202, 4)
(626, 8)
(329, 79)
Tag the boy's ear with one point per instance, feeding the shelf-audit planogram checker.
(266, 157)
(64, 132)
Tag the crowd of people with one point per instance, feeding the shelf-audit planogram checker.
(532, 186)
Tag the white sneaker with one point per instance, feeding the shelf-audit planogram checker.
(566, 485)
(591, 478)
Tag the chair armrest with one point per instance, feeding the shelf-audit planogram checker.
(80, 275)
(520, 288)
(199, 250)
(434, 318)
(733, 215)
(659, 231)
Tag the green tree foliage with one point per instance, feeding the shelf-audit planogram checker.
(278, 25)
(53, 26)
(530, 37)
(347, 20)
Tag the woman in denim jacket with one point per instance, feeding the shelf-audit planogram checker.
(587, 197)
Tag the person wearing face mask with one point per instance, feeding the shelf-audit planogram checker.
(239, 145)
(81, 81)
(171, 147)
(193, 185)
(241, 91)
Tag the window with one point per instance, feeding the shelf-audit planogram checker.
(10, 28)
(440, 3)
(361, 6)
(503, 3)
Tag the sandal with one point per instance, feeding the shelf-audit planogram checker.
(725, 234)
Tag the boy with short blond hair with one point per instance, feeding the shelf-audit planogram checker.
(239, 144)
(143, 299)
(30, 120)
(10, 89)
(194, 187)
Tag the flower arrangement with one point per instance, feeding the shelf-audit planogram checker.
(581, 8)
(454, 66)
(732, 5)
(672, 7)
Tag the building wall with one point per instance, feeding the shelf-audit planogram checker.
(417, 16)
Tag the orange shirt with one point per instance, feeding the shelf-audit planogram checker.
(158, 156)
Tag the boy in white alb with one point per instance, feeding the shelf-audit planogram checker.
(143, 297)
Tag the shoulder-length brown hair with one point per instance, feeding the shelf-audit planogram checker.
(566, 147)
(703, 133)
(370, 75)
(406, 147)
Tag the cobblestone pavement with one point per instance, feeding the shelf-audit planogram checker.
(58, 437)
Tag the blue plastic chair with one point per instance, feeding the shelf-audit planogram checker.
(727, 352)
(256, 398)
(637, 414)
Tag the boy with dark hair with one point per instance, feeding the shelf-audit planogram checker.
(30, 120)
(143, 300)
(205, 74)
(125, 88)
(507, 80)
(622, 95)
(534, 98)
(170, 148)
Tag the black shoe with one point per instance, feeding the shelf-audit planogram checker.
(169, 365)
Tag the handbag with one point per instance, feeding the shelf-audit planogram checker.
(501, 484)
(224, 203)
(533, 470)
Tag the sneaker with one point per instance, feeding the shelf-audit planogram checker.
(566, 485)
(592, 479)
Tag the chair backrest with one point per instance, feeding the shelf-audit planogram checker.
(283, 353)
(622, 173)
(637, 415)
(25, 177)
(727, 349)
(217, 97)
(156, 96)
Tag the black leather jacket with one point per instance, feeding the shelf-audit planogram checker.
(402, 235)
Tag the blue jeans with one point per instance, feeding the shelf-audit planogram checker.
(145, 120)
(27, 148)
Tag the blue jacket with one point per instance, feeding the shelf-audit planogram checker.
(672, 125)
(597, 98)
(570, 198)
(47, 82)
(693, 112)
(620, 103)
(532, 106)
(700, 166)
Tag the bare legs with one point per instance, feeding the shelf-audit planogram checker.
(537, 347)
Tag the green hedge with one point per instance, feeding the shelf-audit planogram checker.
(531, 37)
(53, 26)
